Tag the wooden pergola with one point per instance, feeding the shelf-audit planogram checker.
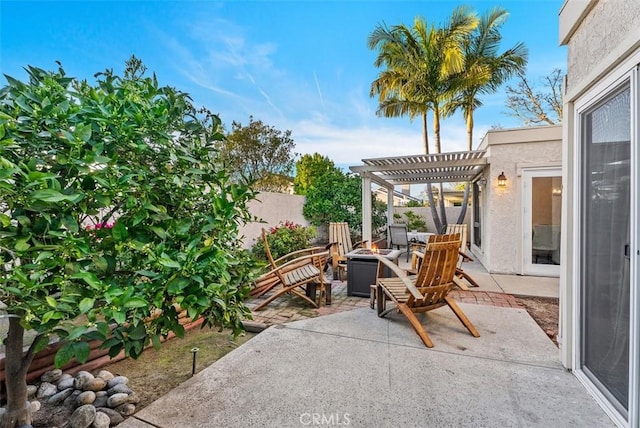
(414, 169)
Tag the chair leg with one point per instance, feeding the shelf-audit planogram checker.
(457, 281)
(415, 323)
(461, 316)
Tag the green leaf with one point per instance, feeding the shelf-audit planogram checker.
(162, 234)
(5, 220)
(64, 355)
(70, 223)
(155, 340)
(101, 263)
(81, 351)
(43, 255)
(136, 302)
(120, 317)
(90, 278)
(176, 285)
(119, 232)
(23, 244)
(51, 301)
(86, 304)
(167, 262)
(138, 332)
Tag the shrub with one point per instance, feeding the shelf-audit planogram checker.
(283, 239)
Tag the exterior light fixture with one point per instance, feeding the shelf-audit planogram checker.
(502, 180)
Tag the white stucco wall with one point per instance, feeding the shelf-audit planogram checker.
(510, 151)
(273, 208)
(598, 34)
(603, 39)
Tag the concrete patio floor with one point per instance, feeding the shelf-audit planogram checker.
(342, 365)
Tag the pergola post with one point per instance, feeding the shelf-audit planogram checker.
(366, 208)
(389, 211)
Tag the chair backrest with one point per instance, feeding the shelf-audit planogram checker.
(438, 264)
(398, 235)
(340, 235)
(452, 237)
(462, 229)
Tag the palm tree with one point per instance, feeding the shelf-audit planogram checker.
(423, 63)
(485, 71)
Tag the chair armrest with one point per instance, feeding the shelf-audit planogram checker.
(297, 261)
(287, 257)
(401, 275)
(465, 257)
(362, 244)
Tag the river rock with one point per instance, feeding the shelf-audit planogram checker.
(34, 406)
(83, 416)
(60, 396)
(46, 390)
(117, 380)
(114, 416)
(82, 377)
(31, 391)
(101, 399)
(95, 384)
(117, 399)
(105, 374)
(86, 397)
(52, 376)
(101, 421)
(120, 388)
(126, 409)
(133, 398)
(65, 382)
(71, 400)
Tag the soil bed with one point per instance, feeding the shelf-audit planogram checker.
(545, 311)
(157, 372)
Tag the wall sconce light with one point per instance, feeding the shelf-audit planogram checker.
(502, 180)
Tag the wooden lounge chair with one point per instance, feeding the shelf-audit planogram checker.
(422, 292)
(296, 273)
(462, 229)
(460, 275)
(340, 240)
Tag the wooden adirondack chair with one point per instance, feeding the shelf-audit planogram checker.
(462, 229)
(460, 273)
(340, 240)
(292, 273)
(422, 292)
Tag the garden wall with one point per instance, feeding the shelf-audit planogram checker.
(272, 208)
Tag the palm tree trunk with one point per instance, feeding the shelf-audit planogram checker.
(425, 133)
(434, 210)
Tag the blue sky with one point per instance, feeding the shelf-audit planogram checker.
(302, 66)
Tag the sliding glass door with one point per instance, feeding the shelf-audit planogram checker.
(604, 254)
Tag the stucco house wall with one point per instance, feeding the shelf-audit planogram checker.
(509, 151)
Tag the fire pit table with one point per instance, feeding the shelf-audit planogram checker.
(362, 267)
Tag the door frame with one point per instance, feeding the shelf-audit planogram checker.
(528, 267)
(628, 71)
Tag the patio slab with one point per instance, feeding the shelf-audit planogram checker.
(357, 369)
